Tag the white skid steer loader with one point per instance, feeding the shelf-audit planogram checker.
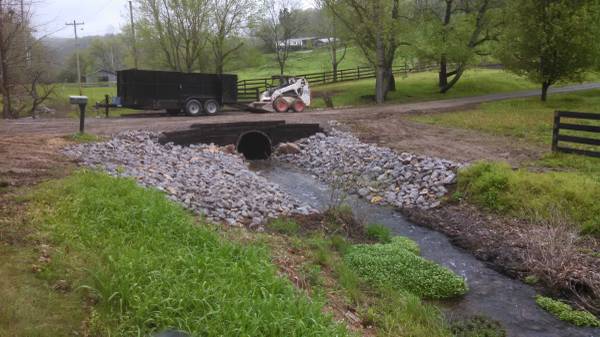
(292, 95)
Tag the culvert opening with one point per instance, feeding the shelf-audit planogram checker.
(255, 145)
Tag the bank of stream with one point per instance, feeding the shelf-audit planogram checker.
(491, 294)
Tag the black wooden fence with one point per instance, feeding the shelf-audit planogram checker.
(249, 90)
(591, 143)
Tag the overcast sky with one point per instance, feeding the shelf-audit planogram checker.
(100, 16)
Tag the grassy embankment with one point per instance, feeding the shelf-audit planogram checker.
(570, 191)
(142, 263)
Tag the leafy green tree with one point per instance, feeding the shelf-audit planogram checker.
(180, 30)
(377, 27)
(455, 33)
(550, 41)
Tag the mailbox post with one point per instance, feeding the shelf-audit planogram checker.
(82, 102)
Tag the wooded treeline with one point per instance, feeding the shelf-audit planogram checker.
(548, 41)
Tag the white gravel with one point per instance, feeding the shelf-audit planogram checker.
(201, 177)
(375, 173)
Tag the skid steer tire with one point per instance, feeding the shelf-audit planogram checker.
(281, 105)
(298, 106)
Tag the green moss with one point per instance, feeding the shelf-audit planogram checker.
(379, 233)
(554, 196)
(566, 313)
(397, 265)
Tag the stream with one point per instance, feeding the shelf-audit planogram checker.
(491, 294)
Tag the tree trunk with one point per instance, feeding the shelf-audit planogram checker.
(334, 63)
(443, 75)
(545, 87)
(381, 73)
(5, 87)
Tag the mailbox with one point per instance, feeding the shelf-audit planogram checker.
(78, 99)
(82, 102)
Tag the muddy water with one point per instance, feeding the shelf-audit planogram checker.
(491, 294)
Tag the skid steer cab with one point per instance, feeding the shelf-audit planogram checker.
(292, 95)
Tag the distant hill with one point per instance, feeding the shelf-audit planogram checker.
(62, 47)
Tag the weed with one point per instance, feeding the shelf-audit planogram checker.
(531, 279)
(566, 313)
(84, 137)
(284, 226)
(152, 267)
(528, 195)
(396, 264)
(477, 326)
(379, 233)
(340, 244)
(312, 274)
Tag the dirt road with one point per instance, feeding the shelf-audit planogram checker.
(384, 124)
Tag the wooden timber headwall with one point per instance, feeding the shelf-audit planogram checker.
(229, 133)
(591, 145)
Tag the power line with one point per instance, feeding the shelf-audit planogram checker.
(75, 24)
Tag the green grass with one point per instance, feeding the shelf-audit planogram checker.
(397, 265)
(152, 267)
(423, 86)
(284, 226)
(528, 119)
(300, 62)
(566, 313)
(29, 306)
(552, 196)
(84, 137)
(379, 233)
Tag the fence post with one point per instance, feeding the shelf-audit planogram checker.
(358, 73)
(555, 131)
(106, 108)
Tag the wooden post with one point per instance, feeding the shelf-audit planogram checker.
(358, 73)
(555, 131)
(106, 108)
(81, 118)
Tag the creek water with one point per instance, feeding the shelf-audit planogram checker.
(491, 294)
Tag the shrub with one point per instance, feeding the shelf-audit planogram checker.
(566, 313)
(379, 233)
(548, 196)
(284, 226)
(340, 244)
(397, 265)
(152, 267)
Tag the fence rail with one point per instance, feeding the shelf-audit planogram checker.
(557, 137)
(249, 90)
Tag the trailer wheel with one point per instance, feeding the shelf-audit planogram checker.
(211, 107)
(281, 105)
(298, 106)
(193, 107)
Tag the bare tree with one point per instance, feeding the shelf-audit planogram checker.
(280, 24)
(228, 20)
(180, 28)
(13, 51)
(334, 43)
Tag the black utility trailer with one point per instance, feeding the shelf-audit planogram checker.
(192, 93)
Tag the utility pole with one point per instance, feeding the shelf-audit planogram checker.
(75, 24)
(135, 56)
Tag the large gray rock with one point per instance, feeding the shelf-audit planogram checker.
(203, 178)
(373, 172)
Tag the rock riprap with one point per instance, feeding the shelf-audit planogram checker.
(375, 173)
(203, 178)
